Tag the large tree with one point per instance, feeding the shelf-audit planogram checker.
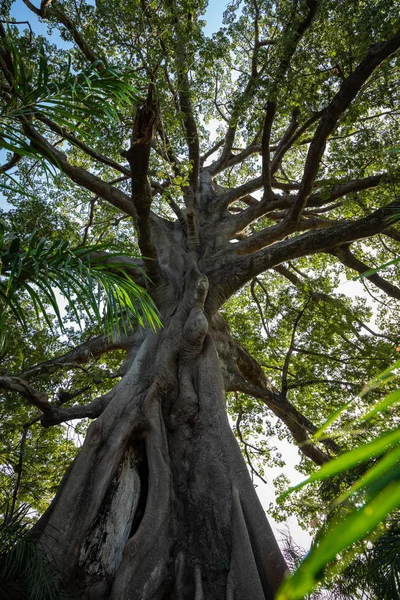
(300, 98)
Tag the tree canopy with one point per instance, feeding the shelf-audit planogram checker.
(255, 170)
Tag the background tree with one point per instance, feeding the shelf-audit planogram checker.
(244, 239)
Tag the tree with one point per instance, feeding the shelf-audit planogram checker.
(301, 180)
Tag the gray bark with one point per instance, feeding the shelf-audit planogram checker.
(159, 503)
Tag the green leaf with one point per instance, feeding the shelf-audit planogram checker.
(348, 460)
(340, 536)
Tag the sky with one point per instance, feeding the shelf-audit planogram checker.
(21, 12)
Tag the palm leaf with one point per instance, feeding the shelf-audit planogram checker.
(378, 491)
(70, 100)
(103, 292)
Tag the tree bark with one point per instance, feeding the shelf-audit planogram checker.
(159, 503)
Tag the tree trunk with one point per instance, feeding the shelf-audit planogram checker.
(158, 503)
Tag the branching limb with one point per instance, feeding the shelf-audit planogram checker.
(84, 147)
(56, 13)
(211, 151)
(138, 155)
(293, 34)
(342, 189)
(56, 415)
(192, 137)
(242, 373)
(251, 380)
(318, 296)
(78, 174)
(34, 396)
(285, 143)
(348, 91)
(346, 257)
(51, 413)
(224, 200)
(82, 354)
(245, 268)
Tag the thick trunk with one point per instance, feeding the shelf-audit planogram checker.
(159, 503)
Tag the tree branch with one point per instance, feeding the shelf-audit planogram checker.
(34, 396)
(82, 354)
(138, 155)
(84, 147)
(11, 163)
(342, 189)
(192, 137)
(55, 12)
(243, 373)
(79, 175)
(348, 259)
(348, 91)
(229, 272)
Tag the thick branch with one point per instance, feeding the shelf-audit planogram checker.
(79, 175)
(53, 415)
(348, 91)
(242, 190)
(342, 189)
(138, 155)
(352, 262)
(256, 384)
(243, 373)
(57, 415)
(192, 137)
(34, 396)
(82, 354)
(293, 35)
(210, 151)
(265, 151)
(234, 271)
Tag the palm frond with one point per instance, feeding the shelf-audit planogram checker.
(25, 571)
(69, 99)
(103, 291)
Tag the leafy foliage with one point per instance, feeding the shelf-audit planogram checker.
(67, 98)
(361, 509)
(25, 572)
(83, 274)
(315, 341)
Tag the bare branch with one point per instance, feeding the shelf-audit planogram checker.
(34, 396)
